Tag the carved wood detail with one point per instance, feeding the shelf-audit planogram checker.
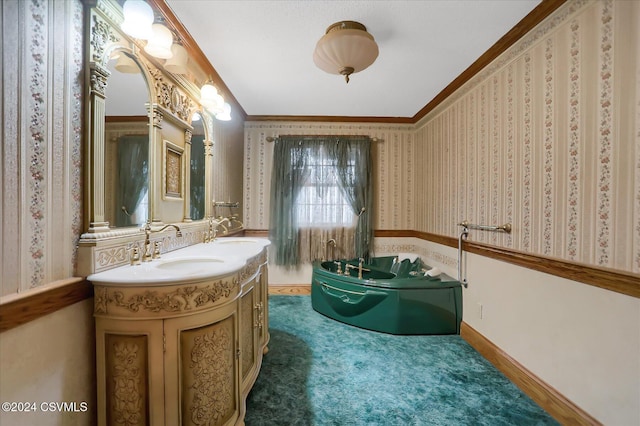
(246, 333)
(174, 299)
(127, 393)
(207, 367)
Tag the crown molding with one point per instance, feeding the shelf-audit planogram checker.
(526, 24)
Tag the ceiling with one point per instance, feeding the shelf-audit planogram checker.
(263, 50)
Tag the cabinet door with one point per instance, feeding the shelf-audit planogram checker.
(201, 368)
(248, 340)
(263, 308)
(129, 359)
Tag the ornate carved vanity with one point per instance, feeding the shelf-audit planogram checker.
(180, 354)
(180, 335)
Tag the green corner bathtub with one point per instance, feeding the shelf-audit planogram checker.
(391, 297)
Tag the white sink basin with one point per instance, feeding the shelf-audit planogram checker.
(240, 246)
(169, 271)
(236, 241)
(190, 265)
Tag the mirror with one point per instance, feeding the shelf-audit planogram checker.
(126, 143)
(197, 174)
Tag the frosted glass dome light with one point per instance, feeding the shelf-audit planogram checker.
(159, 45)
(211, 99)
(138, 18)
(346, 48)
(177, 64)
(225, 115)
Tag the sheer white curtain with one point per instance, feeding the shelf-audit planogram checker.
(320, 190)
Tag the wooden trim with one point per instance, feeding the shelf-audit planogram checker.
(331, 119)
(290, 290)
(552, 401)
(196, 53)
(20, 308)
(256, 233)
(608, 279)
(537, 15)
(126, 119)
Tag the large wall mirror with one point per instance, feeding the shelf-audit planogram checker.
(127, 102)
(149, 143)
(197, 169)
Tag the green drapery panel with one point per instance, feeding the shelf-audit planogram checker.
(133, 177)
(197, 177)
(291, 168)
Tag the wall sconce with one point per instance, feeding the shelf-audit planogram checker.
(138, 18)
(125, 64)
(159, 45)
(225, 115)
(346, 48)
(177, 64)
(211, 99)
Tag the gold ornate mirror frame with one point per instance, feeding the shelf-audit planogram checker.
(172, 104)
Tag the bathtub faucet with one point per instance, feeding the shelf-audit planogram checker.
(327, 244)
(348, 267)
(360, 268)
(339, 270)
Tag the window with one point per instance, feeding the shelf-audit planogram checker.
(321, 201)
(318, 184)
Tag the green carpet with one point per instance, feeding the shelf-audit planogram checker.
(321, 372)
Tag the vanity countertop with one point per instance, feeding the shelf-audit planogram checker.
(198, 262)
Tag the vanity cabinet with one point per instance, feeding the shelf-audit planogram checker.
(184, 354)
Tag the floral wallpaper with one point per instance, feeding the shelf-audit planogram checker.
(42, 116)
(394, 163)
(545, 138)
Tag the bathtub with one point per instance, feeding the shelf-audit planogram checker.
(392, 297)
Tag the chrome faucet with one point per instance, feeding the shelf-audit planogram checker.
(154, 254)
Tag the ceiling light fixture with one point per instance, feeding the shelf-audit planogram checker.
(138, 18)
(346, 48)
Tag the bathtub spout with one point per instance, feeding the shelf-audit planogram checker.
(327, 244)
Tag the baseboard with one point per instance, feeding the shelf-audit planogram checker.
(552, 401)
(290, 289)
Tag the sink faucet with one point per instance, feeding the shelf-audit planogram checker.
(148, 253)
(234, 218)
(213, 228)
